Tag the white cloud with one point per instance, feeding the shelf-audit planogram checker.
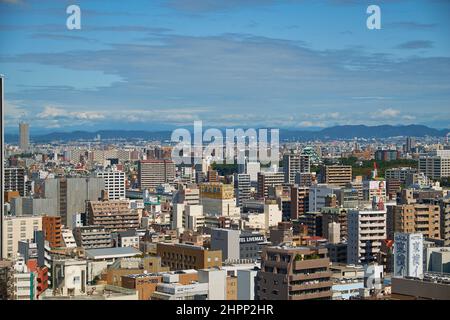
(386, 113)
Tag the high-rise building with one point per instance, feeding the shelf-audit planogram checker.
(24, 136)
(152, 173)
(294, 273)
(17, 229)
(15, 180)
(71, 195)
(218, 200)
(51, 227)
(415, 218)
(436, 164)
(336, 175)
(366, 232)
(242, 185)
(268, 179)
(299, 201)
(113, 215)
(293, 164)
(114, 183)
(410, 144)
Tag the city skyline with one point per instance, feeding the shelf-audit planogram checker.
(164, 64)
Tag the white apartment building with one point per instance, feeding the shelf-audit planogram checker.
(366, 232)
(114, 183)
(436, 164)
(17, 229)
(68, 238)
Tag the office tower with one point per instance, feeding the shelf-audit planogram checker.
(15, 180)
(71, 195)
(410, 144)
(114, 183)
(2, 159)
(242, 185)
(366, 232)
(436, 164)
(218, 200)
(51, 226)
(267, 179)
(113, 215)
(17, 229)
(408, 255)
(299, 201)
(152, 173)
(336, 175)
(24, 136)
(293, 164)
(185, 256)
(415, 218)
(294, 273)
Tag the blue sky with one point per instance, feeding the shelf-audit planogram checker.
(236, 63)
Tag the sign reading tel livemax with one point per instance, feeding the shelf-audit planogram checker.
(251, 239)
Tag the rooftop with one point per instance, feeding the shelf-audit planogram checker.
(106, 253)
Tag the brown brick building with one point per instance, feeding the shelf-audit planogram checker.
(185, 256)
(52, 231)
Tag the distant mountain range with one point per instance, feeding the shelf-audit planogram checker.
(336, 132)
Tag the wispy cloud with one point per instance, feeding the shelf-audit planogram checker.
(415, 44)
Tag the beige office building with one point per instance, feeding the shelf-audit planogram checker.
(17, 229)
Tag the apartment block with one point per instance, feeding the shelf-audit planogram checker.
(17, 229)
(266, 180)
(52, 231)
(366, 232)
(415, 218)
(293, 164)
(336, 175)
(14, 180)
(152, 173)
(113, 215)
(299, 201)
(114, 183)
(294, 273)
